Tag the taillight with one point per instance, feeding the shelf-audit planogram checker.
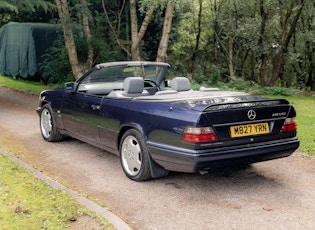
(199, 134)
(289, 125)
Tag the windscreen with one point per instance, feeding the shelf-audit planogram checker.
(118, 73)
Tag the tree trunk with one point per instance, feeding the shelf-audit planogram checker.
(116, 29)
(288, 29)
(263, 56)
(194, 55)
(62, 6)
(136, 37)
(86, 27)
(134, 31)
(311, 69)
(231, 44)
(161, 55)
(230, 56)
(216, 42)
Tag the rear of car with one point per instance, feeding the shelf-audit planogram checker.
(235, 130)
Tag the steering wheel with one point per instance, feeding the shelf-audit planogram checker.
(153, 84)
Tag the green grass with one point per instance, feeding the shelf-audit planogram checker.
(29, 203)
(305, 109)
(25, 85)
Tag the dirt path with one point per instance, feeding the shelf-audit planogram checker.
(278, 194)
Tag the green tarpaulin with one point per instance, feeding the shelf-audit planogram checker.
(22, 46)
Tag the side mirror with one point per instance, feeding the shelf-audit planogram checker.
(69, 87)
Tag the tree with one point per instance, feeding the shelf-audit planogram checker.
(161, 54)
(139, 11)
(148, 8)
(263, 56)
(137, 35)
(8, 6)
(30, 5)
(85, 13)
(115, 24)
(243, 39)
(131, 48)
(230, 46)
(192, 33)
(63, 10)
(198, 36)
(267, 41)
(288, 21)
(11, 9)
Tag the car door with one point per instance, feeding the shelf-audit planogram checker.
(81, 108)
(80, 115)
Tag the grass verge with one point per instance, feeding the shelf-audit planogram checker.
(25, 85)
(305, 109)
(29, 203)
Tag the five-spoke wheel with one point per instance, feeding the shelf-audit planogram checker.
(47, 125)
(134, 156)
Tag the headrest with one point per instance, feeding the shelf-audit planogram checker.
(180, 84)
(133, 85)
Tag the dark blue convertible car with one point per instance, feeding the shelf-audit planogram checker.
(158, 124)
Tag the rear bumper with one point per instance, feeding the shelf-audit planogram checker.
(191, 161)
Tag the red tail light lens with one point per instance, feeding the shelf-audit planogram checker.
(289, 125)
(199, 134)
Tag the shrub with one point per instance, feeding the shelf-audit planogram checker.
(56, 68)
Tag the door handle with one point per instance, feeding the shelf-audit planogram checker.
(96, 107)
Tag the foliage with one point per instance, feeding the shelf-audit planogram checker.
(105, 52)
(281, 91)
(55, 68)
(12, 10)
(240, 84)
(211, 41)
(231, 32)
(8, 7)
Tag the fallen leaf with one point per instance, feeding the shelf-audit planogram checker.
(18, 209)
(73, 219)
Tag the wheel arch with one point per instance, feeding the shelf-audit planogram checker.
(48, 124)
(156, 170)
(125, 128)
(57, 119)
(44, 102)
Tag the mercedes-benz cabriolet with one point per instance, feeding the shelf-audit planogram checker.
(158, 124)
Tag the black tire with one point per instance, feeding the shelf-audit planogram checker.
(134, 156)
(47, 123)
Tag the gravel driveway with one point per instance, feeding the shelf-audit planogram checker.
(278, 194)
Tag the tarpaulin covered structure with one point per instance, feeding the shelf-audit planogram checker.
(22, 46)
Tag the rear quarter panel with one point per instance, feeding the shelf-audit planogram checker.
(159, 122)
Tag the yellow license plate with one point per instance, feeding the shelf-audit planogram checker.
(249, 130)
